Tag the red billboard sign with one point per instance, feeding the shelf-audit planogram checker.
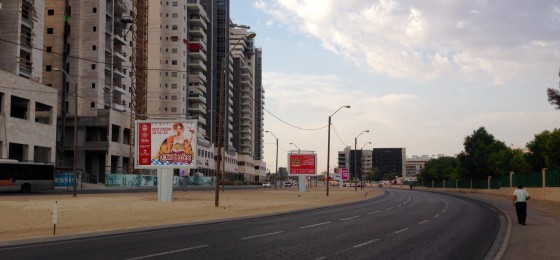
(302, 164)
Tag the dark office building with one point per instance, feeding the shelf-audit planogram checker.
(389, 160)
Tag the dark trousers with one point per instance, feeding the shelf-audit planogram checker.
(521, 209)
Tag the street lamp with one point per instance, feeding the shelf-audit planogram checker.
(75, 125)
(329, 148)
(299, 150)
(276, 174)
(220, 117)
(362, 161)
(356, 159)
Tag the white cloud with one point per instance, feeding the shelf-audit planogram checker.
(474, 40)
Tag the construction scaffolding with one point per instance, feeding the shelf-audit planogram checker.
(139, 84)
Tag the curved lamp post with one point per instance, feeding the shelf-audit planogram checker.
(329, 148)
(356, 159)
(220, 118)
(299, 150)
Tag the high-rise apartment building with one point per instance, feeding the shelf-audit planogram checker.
(90, 41)
(27, 107)
(259, 108)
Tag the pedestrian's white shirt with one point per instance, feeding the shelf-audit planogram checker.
(521, 195)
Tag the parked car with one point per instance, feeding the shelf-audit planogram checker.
(287, 184)
(266, 184)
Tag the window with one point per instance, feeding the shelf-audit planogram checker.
(115, 132)
(48, 68)
(94, 28)
(19, 107)
(49, 49)
(174, 50)
(173, 109)
(174, 27)
(174, 15)
(92, 104)
(93, 47)
(92, 85)
(173, 86)
(43, 113)
(173, 98)
(50, 30)
(174, 3)
(174, 74)
(173, 62)
(94, 10)
(93, 66)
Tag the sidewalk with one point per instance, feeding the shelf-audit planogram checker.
(537, 239)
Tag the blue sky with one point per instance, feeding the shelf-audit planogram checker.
(418, 74)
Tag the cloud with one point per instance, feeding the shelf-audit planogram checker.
(492, 41)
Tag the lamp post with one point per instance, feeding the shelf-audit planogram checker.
(362, 161)
(75, 126)
(276, 173)
(356, 159)
(220, 117)
(329, 148)
(299, 150)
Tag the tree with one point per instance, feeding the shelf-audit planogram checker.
(373, 174)
(443, 168)
(554, 96)
(478, 161)
(544, 150)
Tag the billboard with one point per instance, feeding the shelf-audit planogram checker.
(302, 164)
(344, 173)
(165, 144)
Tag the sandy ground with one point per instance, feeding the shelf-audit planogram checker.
(27, 217)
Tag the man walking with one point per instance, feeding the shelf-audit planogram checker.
(520, 197)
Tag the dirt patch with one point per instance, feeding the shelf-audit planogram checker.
(26, 217)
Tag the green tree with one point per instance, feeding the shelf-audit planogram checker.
(373, 174)
(544, 150)
(478, 161)
(554, 96)
(443, 168)
(389, 176)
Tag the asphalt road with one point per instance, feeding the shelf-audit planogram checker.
(401, 224)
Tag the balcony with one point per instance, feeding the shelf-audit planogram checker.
(198, 74)
(197, 30)
(120, 55)
(194, 97)
(118, 72)
(119, 107)
(120, 6)
(200, 20)
(201, 120)
(197, 108)
(200, 54)
(196, 86)
(197, 65)
(119, 39)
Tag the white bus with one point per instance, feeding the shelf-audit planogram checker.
(25, 176)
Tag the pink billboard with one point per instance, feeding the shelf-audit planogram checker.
(302, 164)
(344, 173)
(165, 144)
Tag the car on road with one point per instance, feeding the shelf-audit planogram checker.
(266, 184)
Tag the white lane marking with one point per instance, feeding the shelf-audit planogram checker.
(321, 258)
(314, 225)
(399, 205)
(343, 219)
(169, 252)
(377, 211)
(402, 230)
(390, 208)
(368, 242)
(263, 235)
(437, 215)
(422, 222)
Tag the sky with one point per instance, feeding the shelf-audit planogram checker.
(422, 75)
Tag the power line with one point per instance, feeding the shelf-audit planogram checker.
(340, 139)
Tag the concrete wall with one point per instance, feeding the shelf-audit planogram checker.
(27, 131)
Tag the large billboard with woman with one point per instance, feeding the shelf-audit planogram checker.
(165, 144)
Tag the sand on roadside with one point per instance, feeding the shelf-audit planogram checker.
(27, 217)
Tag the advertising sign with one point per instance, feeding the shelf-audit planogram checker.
(165, 144)
(302, 164)
(344, 173)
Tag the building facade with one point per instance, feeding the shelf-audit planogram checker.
(88, 53)
(389, 160)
